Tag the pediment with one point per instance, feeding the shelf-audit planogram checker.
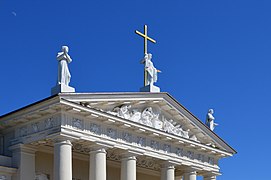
(156, 110)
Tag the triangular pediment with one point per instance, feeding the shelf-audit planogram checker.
(159, 111)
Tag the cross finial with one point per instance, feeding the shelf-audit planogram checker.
(146, 38)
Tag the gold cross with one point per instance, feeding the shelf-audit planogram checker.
(146, 38)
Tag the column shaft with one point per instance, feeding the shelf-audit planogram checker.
(168, 172)
(63, 160)
(128, 168)
(97, 165)
(190, 175)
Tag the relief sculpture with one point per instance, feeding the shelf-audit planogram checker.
(149, 118)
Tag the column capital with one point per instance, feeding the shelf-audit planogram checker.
(63, 141)
(167, 165)
(129, 153)
(97, 146)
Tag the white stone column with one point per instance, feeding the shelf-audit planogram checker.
(97, 164)
(167, 172)
(23, 158)
(63, 160)
(190, 175)
(128, 167)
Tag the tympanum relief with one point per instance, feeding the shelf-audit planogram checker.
(148, 117)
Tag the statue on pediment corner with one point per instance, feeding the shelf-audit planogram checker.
(210, 119)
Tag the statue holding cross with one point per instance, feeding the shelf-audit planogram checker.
(150, 72)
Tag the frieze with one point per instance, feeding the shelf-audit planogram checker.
(211, 160)
(48, 123)
(96, 129)
(77, 123)
(190, 154)
(201, 157)
(141, 141)
(148, 163)
(38, 126)
(111, 155)
(126, 136)
(112, 133)
(179, 151)
(154, 145)
(35, 127)
(148, 117)
(167, 148)
(23, 131)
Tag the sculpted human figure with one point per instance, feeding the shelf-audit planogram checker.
(150, 69)
(210, 119)
(63, 58)
(147, 116)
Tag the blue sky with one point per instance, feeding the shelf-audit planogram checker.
(213, 54)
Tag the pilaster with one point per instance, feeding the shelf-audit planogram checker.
(23, 158)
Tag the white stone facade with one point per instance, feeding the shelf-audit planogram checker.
(128, 136)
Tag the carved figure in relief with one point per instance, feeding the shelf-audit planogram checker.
(168, 126)
(123, 111)
(147, 116)
(156, 122)
(77, 123)
(111, 133)
(179, 151)
(63, 58)
(135, 116)
(35, 127)
(140, 141)
(210, 119)
(48, 123)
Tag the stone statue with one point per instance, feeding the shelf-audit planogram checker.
(63, 58)
(151, 71)
(210, 119)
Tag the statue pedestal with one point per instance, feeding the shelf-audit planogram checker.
(61, 88)
(150, 88)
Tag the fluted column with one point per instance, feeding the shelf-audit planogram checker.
(97, 164)
(128, 167)
(190, 175)
(63, 160)
(167, 172)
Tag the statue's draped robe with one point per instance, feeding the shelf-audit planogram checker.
(64, 75)
(151, 72)
(210, 121)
